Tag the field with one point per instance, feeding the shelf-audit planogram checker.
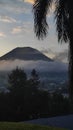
(22, 126)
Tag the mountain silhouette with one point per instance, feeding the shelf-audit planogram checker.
(25, 53)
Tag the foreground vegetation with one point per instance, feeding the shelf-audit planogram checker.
(25, 101)
(22, 126)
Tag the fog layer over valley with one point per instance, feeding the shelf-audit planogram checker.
(40, 65)
(52, 74)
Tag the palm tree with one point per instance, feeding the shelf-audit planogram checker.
(64, 26)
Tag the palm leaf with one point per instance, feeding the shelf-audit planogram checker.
(62, 20)
(40, 11)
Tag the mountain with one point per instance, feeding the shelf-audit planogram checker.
(25, 53)
(29, 58)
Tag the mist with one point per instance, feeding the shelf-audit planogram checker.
(40, 65)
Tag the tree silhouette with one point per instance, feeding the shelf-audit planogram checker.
(34, 82)
(34, 78)
(17, 81)
(64, 26)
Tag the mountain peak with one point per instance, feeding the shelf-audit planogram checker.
(25, 53)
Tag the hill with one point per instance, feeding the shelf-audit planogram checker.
(25, 53)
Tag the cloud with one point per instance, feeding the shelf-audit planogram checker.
(18, 9)
(25, 27)
(2, 34)
(62, 56)
(48, 52)
(39, 65)
(16, 30)
(58, 56)
(29, 1)
(7, 19)
(14, 6)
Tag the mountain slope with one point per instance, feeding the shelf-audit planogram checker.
(25, 53)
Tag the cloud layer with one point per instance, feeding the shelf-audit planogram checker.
(29, 65)
(7, 19)
(62, 56)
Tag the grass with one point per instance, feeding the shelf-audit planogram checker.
(22, 126)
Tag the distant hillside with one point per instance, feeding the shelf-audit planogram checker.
(25, 53)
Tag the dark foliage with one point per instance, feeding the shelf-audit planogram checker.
(40, 12)
(26, 101)
(62, 16)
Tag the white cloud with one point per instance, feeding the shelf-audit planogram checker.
(7, 19)
(25, 27)
(48, 52)
(2, 34)
(16, 30)
(62, 56)
(39, 65)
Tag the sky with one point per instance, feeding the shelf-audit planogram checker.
(17, 30)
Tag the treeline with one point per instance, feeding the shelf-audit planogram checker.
(24, 100)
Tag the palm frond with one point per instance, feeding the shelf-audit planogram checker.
(40, 9)
(62, 20)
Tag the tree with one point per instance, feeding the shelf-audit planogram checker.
(34, 82)
(17, 81)
(23, 94)
(34, 78)
(64, 26)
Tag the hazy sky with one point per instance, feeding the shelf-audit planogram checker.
(17, 29)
